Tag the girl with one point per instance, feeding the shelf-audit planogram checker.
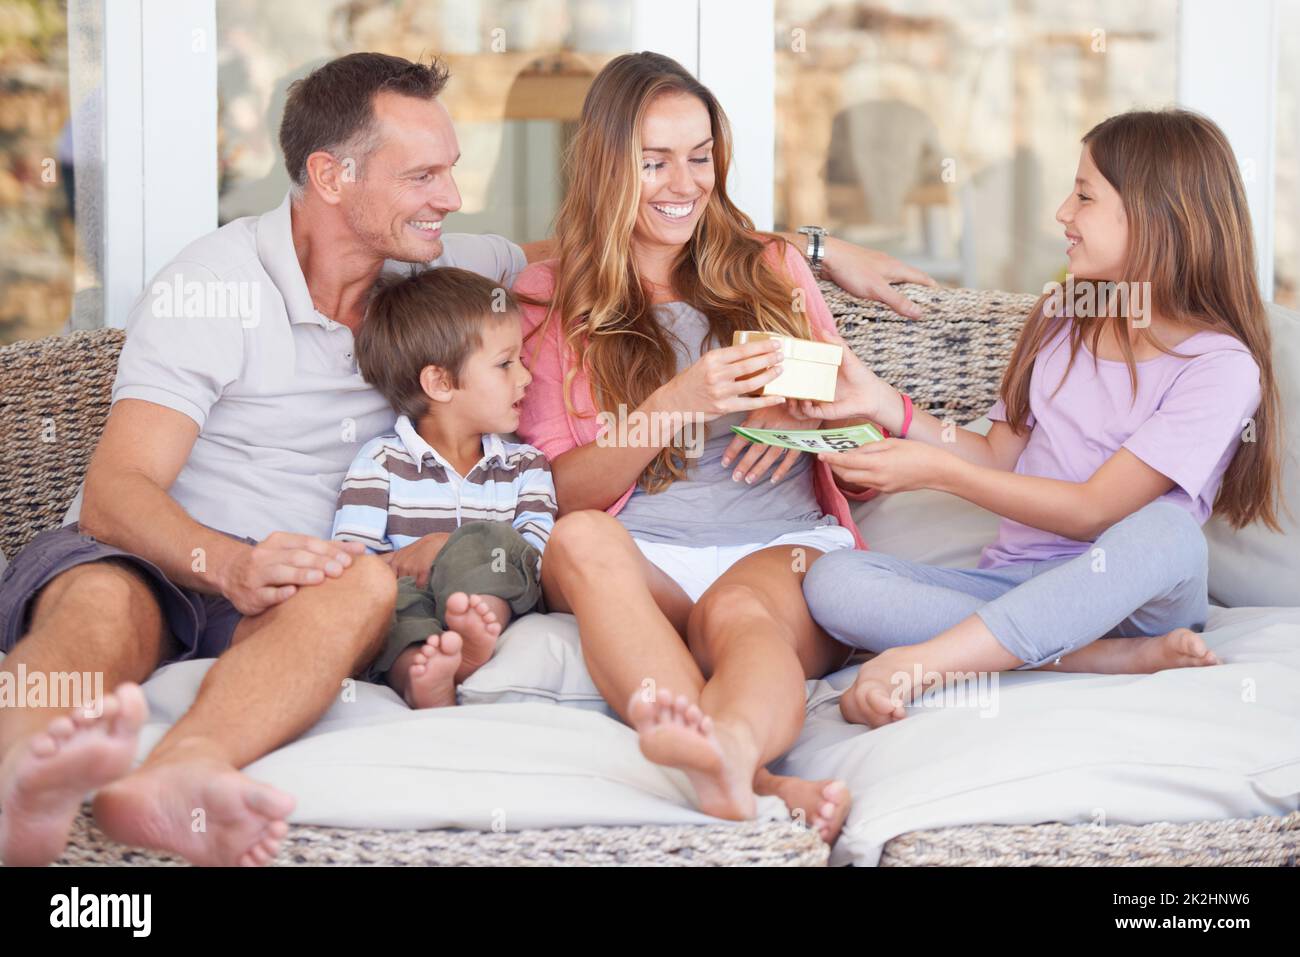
(1114, 438)
(683, 566)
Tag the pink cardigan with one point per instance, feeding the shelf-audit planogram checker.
(546, 424)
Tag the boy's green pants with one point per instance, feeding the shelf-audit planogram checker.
(481, 558)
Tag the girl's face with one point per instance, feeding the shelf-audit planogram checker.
(1096, 228)
(676, 170)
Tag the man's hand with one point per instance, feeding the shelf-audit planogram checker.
(275, 568)
(756, 462)
(416, 558)
(867, 274)
(894, 465)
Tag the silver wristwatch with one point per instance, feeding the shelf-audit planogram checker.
(816, 247)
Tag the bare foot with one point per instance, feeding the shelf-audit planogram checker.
(878, 693)
(821, 806)
(44, 779)
(479, 620)
(718, 763)
(1180, 648)
(196, 806)
(430, 671)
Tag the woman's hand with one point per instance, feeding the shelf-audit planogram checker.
(859, 392)
(712, 386)
(867, 274)
(417, 558)
(895, 465)
(760, 458)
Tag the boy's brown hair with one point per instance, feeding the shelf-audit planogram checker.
(432, 318)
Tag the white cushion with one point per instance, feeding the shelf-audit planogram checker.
(1189, 744)
(1254, 566)
(1186, 745)
(538, 659)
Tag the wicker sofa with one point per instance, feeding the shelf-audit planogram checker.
(54, 396)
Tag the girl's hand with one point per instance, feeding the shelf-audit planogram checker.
(894, 465)
(859, 392)
(760, 458)
(712, 386)
(416, 559)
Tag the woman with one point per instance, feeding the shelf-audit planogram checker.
(683, 565)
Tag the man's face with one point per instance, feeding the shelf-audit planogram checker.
(404, 188)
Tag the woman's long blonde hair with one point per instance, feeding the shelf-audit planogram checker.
(600, 299)
(1190, 237)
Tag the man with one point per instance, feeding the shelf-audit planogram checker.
(237, 408)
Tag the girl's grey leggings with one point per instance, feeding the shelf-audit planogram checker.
(1145, 575)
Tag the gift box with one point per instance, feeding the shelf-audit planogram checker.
(809, 369)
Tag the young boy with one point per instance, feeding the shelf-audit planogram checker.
(462, 514)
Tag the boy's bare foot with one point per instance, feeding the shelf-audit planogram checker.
(821, 806)
(430, 671)
(878, 692)
(479, 620)
(719, 763)
(45, 778)
(1180, 648)
(198, 806)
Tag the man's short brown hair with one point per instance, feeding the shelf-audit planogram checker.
(333, 108)
(432, 318)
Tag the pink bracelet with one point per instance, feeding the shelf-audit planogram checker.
(907, 415)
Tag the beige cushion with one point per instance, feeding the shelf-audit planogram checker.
(1254, 566)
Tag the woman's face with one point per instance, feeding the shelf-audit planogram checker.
(676, 170)
(1096, 227)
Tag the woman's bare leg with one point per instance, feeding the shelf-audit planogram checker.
(756, 643)
(631, 615)
(646, 674)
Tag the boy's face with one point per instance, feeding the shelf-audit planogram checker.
(493, 380)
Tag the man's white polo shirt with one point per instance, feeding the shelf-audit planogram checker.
(227, 334)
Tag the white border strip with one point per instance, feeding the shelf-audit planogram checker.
(179, 128)
(738, 63)
(670, 27)
(123, 214)
(1227, 69)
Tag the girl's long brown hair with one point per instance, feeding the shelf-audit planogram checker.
(601, 301)
(1190, 237)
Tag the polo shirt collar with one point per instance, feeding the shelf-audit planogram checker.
(493, 447)
(280, 260)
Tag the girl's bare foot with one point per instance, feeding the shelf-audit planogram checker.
(478, 619)
(425, 675)
(44, 779)
(198, 806)
(821, 806)
(1180, 648)
(718, 762)
(878, 692)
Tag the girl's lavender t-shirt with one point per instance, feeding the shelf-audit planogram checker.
(1186, 422)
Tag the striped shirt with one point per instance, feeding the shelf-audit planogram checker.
(399, 489)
